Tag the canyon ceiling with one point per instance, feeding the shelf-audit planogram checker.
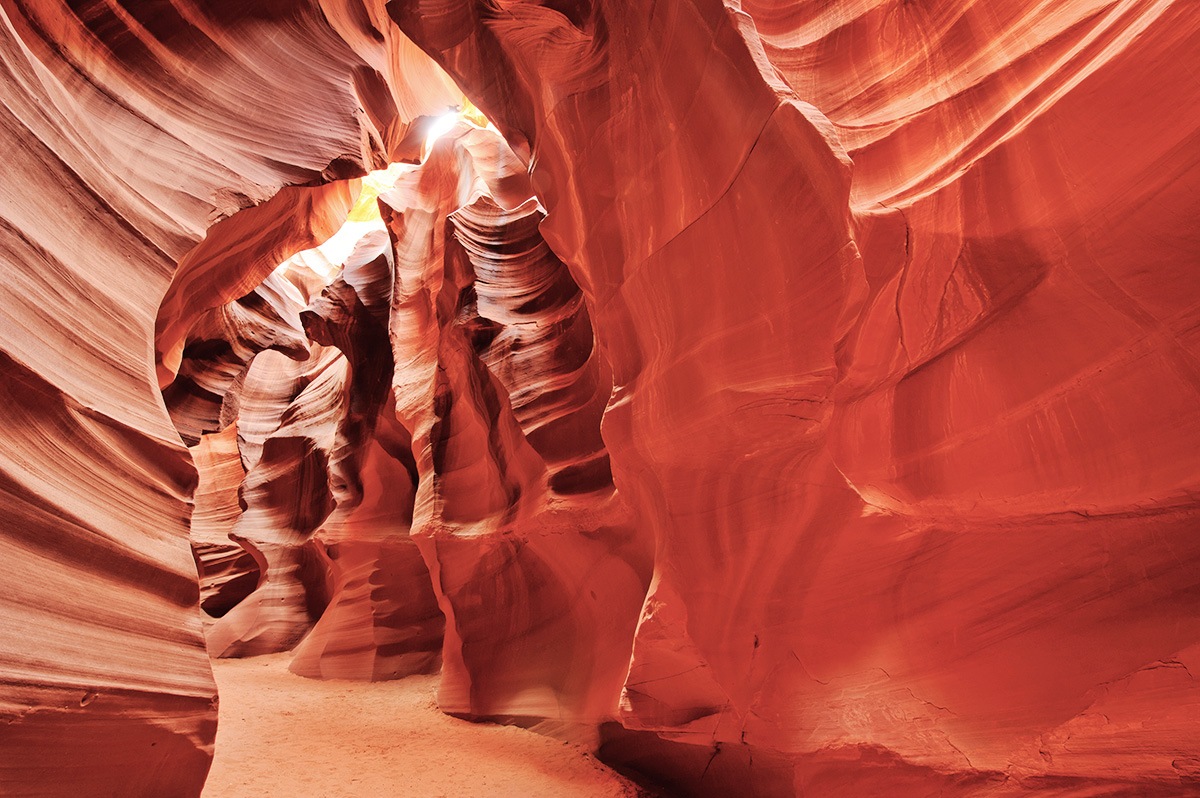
(784, 397)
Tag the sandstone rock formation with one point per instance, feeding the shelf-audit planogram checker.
(383, 620)
(539, 570)
(128, 131)
(227, 571)
(797, 397)
(864, 409)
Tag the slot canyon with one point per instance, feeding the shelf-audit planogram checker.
(549, 398)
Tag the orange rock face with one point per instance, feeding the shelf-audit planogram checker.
(127, 132)
(539, 568)
(881, 369)
(795, 397)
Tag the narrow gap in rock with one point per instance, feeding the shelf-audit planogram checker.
(436, 314)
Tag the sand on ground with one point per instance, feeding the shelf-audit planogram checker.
(284, 735)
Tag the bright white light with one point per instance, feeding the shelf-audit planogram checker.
(440, 127)
(343, 242)
(327, 259)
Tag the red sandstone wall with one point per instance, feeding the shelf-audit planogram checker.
(804, 395)
(126, 133)
(903, 380)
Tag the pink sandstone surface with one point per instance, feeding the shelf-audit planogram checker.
(781, 398)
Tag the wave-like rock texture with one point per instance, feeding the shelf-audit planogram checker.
(801, 394)
(538, 568)
(127, 131)
(480, 454)
(228, 572)
(285, 495)
(306, 486)
(904, 381)
(220, 347)
(383, 621)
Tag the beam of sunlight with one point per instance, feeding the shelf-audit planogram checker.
(327, 259)
(441, 126)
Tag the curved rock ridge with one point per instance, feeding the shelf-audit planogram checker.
(400, 90)
(536, 564)
(383, 621)
(127, 131)
(298, 431)
(285, 496)
(228, 572)
(512, 332)
(877, 366)
(795, 398)
(531, 328)
(305, 480)
(221, 345)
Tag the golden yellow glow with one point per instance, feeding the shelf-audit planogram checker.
(326, 259)
(374, 184)
(470, 112)
(379, 181)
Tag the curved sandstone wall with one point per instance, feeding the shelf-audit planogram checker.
(796, 397)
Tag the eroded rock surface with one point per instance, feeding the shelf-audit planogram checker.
(127, 132)
(800, 397)
(882, 364)
(538, 567)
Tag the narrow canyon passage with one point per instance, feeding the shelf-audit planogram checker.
(775, 398)
(303, 526)
(284, 736)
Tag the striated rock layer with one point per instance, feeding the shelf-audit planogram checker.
(382, 621)
(128, 131)
(228, 572)
(798, 396)
(917, 506)
(538, 568)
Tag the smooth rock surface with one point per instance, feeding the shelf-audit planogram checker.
(382, 739)
(126, 132)
(796, 397)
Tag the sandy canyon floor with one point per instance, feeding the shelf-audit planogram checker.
(283, 735)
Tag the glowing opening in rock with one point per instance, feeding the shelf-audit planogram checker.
(326, 259)
(440, 127)
(466, 111)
